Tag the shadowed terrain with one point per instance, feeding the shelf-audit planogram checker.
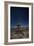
(21, 33)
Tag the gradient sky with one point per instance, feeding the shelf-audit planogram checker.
(19, 15)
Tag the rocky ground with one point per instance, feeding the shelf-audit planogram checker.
(24, 33)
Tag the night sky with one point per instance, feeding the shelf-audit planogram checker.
(19, 15)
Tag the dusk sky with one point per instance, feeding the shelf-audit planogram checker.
(19, 15)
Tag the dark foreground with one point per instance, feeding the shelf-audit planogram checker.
(23, 33)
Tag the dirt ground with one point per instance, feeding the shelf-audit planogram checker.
(24, 33)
